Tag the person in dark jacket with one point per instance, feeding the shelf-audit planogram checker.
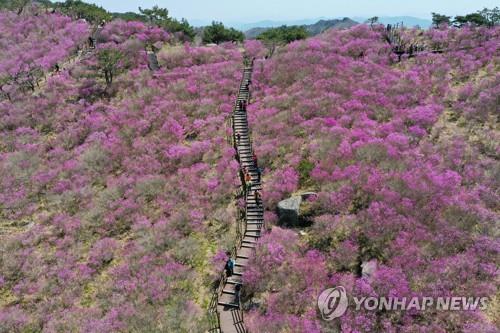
(229, 267)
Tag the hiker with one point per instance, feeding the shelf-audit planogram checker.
(237, 289)
(238, 138)
(259, 174)
(248, 181)
(254, 159)
(240, 105)
(56, 67)
(229, 265)
(91, 42)
(258, 198)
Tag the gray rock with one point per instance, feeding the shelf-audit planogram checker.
(153, 61)
(288, 211)
(368, 268)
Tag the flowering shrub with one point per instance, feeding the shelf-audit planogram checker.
(188, 56)
(334, 114)
(37, 40)
(119, 196)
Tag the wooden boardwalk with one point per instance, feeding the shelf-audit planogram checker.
(228, 305)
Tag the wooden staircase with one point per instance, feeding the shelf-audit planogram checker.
(228, 302)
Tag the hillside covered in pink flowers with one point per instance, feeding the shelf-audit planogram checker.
(404, 160)
(117, 199)
(114, 199)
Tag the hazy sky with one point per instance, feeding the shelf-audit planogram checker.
(237, 10)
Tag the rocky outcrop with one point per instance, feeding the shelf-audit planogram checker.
(153, 61)
(289, 210)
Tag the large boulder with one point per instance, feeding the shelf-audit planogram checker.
(289, 210)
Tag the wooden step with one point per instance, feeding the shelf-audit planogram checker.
(229, 288)
(239, 256)
(253, 204)
(255, 210)
(255, 216)
(252, 216)
(230, 305)
(254, 221)
(242, 261)
(246, 251)
(228, 300)
(234, 280)
(251, 246)
(250, 240)
(255, 225)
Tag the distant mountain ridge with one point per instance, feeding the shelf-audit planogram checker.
(245, 26)
(322, 25)
(409, 21)
(312, 29)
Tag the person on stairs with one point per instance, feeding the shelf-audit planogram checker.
(248, 181)
(237, 293)
(254, 159)
(229, 267)
(242, 106)
(258, 198)
(238, 138)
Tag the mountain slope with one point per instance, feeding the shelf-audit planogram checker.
(409, 21)
(398, 211)
(313, 29)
